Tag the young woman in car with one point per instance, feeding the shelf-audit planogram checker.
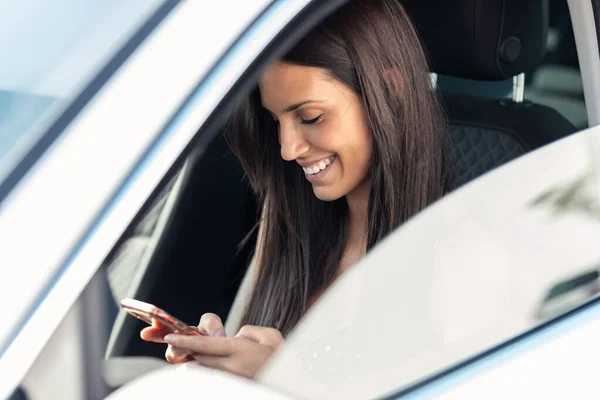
(342, 140)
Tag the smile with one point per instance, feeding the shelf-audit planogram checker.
(319, 169)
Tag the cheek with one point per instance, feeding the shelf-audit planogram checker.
(355, 156)
(360, 151)
(351, 140)
(341, 135)
(324, 137)
(364, 139)
(361, 164)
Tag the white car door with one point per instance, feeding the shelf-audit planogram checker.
(464, 276)
(62, 215)
(492, 292)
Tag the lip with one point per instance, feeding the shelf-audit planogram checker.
(321, 174)
(311, 163)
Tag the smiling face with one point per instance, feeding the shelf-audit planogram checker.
(322, 126)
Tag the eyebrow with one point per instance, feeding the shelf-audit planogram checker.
(296, 106)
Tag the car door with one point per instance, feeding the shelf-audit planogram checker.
(160, 159)
(492, 292)
(101, 164)
(474, 277)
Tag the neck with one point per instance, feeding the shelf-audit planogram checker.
(358, 206)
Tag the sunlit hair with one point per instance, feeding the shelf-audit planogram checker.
(372, 47)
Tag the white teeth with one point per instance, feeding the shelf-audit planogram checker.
(318, 167)
(311, 170)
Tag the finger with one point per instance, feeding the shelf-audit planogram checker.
(250, 332)
(212, 325)
(260, 334)
(176, 355)
(216, 362)
(208, 345)
(155, 333)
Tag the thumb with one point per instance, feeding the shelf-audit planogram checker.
(176, 355)
(155, 333)
(261, 335)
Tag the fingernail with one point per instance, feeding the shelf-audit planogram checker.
(169, 338)
(220, 333)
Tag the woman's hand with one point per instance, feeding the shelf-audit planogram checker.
(210, 325)
(245, 354)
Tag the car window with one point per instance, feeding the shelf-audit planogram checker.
(129, 262)
(124, 264)
(557, 81)
(198, 240)
(50, 51)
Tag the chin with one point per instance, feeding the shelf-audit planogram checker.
(326, 194)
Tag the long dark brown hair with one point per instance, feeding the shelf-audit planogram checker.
(373, 48)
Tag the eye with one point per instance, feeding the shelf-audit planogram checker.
(311, 121)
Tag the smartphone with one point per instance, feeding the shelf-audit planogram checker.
(147, 312)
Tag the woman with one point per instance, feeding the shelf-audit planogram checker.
(343, 140)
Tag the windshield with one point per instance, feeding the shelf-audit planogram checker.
(50, 49)
(488, 262)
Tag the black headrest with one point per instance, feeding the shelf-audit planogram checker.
(481, 39)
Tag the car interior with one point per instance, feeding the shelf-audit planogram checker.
(508, 77)
(188, 255)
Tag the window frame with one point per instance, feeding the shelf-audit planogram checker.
(151, 162)
(77, 105)
(269, 34)
(586, 34)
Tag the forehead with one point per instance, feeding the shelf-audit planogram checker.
(284, 83)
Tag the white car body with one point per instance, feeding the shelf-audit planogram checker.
(468, 273)
(463, 279)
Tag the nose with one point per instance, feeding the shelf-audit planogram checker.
(293, 143)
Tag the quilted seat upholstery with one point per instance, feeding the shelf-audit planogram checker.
(483, 42)
(479, 149)
(488, 133)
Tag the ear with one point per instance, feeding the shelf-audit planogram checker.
(395, 80)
